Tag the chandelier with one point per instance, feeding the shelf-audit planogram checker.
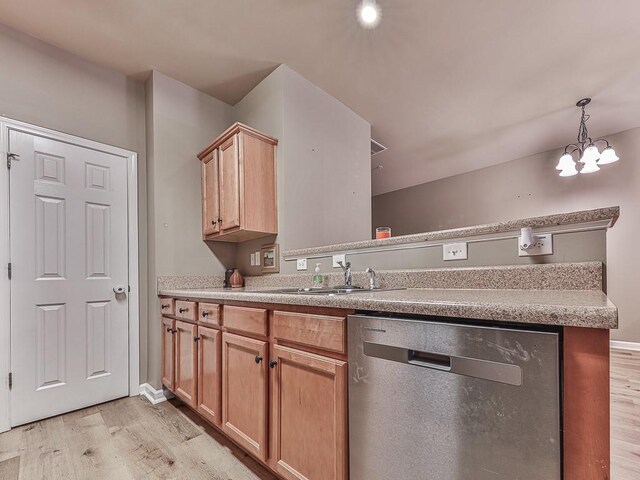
(589, 156)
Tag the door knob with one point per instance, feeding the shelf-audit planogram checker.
(119, 289)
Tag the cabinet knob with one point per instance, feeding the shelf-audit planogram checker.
(258, 359)
(169, 330)
(205, 313)
(174, 331)
(182, 310)
(213, 222)
(164, 305)
(195, 339)
(273, 363)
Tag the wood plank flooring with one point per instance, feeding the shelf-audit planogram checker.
(128, 439)
(132, 439)
(625, 415)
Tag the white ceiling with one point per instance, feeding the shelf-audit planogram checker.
(449, 86)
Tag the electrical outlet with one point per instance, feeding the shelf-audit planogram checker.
(339, 258)
(301, 264)
(543, 246)
(253, 259)
(454, 251)
(258, 259)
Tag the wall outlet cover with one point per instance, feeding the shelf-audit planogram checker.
(543, 246)
(339, 258)
(454, 251)
(301, 264)
(258, 259)
(253, 259)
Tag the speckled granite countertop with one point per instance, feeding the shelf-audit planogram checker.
(583, 216)
(579, 308)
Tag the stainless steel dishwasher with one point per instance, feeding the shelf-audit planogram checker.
(448, 401)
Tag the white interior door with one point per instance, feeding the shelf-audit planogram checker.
(68, 242)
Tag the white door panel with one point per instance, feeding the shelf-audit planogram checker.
(68, 241)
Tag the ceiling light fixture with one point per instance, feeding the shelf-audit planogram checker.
(369, 14)
(590, 156)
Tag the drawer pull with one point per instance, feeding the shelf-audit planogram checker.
(258, 359)
(164, 305)
(273, 363)
(182, 310)
(205, 313)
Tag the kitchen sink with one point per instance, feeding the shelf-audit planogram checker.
(327, 291)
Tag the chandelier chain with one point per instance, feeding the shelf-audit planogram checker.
(583, 133)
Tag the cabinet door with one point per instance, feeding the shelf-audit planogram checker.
(210, 195)
(209, 374)
(230, 183)
(168, 352)
(244, 392)
(309, 415)
(186, 362)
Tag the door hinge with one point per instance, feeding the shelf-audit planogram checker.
(10, 157)
(9, 270)
(10, 380)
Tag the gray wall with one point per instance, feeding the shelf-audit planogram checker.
(324, 173)
(528, 187)
(181, 121)
(46, 86)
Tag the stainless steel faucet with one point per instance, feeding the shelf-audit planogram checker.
(372, 278)
(347, 273)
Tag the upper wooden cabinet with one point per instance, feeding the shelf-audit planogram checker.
(239, 186)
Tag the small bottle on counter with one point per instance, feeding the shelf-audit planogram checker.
(317, 280)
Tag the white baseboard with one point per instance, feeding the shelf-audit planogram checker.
(154, 396)
(625, 345)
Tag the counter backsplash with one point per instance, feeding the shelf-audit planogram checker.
(556, 276)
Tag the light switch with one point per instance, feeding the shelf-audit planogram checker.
(258, 259)
(339, 258)
(454, 251)
(253, 259)
(302, 264)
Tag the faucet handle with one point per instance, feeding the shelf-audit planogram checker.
(372, 277)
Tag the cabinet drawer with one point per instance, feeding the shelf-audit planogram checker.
(186, 310)
(243, 319)
(167, 306)
(320, 331)
(209, 313)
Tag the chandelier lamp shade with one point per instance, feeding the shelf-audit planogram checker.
(590, 158)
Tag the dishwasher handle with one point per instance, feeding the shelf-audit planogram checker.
(429, 360)
(469, 367)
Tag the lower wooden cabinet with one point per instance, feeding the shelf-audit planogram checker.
(186, 363)
(209, 374)
(244, 392)
(284, 405)
(168, 352)
(308, 415)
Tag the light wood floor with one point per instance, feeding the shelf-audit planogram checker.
(131, 439)
(625, 415)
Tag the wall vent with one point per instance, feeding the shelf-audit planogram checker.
(376, 147)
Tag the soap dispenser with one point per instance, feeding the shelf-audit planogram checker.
(317, 280)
